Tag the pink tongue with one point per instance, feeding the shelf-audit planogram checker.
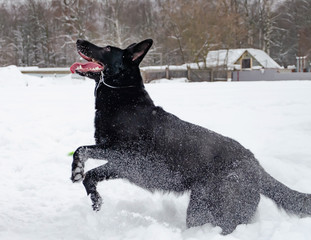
(86, 67)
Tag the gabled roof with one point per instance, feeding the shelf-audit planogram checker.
(230, 57)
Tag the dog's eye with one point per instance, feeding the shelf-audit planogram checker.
(108, 49)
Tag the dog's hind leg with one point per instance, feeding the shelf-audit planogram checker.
(224, 202)
(91, 179)
(199, 208)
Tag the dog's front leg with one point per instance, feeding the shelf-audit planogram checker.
(94, 176)
(80, 156)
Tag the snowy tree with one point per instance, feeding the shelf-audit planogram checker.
(4, 33)
(43, 33)
(292, 35)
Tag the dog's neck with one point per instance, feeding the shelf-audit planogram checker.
(123, 79)
(113, 98)
(102, 82)
(116, 87)
(111, 94)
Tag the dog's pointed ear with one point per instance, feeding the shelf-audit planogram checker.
(131, 45)
(136, 52)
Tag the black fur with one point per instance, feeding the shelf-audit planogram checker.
(157, 151)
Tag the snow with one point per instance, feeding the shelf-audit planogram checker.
(44, 119)
(39, 70)
(170, 81)
(163, 67)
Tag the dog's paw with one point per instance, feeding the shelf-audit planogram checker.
(77, 174)
(97, 201)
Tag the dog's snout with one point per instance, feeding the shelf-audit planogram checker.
(80, 41)
(83, 46)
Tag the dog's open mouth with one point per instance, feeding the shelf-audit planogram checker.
(91, 66)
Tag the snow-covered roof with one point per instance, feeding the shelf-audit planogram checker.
(229, 58)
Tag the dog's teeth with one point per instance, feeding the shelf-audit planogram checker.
(95, 69)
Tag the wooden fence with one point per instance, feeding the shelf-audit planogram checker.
(193, 75)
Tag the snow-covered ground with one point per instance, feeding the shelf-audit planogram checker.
(43, 119)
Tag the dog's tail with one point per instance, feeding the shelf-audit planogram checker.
(290, 200)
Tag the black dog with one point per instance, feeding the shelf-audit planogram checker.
(157, 151)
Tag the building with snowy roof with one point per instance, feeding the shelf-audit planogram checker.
(239, 59)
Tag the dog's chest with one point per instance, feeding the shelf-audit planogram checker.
(123, 125)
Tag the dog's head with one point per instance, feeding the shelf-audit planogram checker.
(117, 67)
